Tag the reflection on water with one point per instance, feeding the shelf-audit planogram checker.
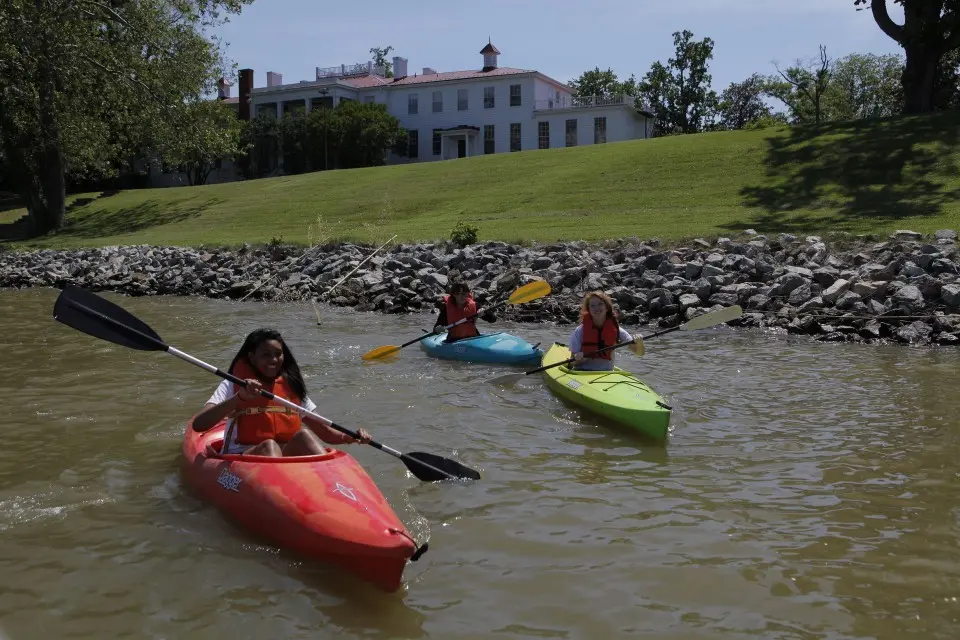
(806, 491)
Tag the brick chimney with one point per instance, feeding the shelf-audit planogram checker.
(246, 93)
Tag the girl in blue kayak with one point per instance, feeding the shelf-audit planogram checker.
(599, 328)
(458, 304)
(265, 427)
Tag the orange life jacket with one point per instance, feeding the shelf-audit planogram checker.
(469, 328)
(261, 419)
(594, 340)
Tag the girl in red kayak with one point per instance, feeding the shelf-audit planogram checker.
(599, 328)
(456, 305)
(264, 427)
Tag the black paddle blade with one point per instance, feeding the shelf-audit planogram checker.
(446, 465)
(91, 314)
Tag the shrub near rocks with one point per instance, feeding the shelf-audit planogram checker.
(905, 289)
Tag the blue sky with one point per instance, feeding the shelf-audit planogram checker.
(560, 38)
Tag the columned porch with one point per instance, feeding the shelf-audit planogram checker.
(461, 141)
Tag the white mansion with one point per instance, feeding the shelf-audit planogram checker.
(452, 114)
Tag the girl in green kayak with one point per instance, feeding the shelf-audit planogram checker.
(265, 427)
(599, 328)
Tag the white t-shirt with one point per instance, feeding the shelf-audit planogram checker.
(223, 393)
(594, 364)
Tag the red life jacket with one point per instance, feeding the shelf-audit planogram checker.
(469, 328)
(261, 419)
(593, 340)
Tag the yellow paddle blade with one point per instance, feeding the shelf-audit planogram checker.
(530, 291)
(381, 352)
(637, 347)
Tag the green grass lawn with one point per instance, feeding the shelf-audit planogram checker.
(860, 177)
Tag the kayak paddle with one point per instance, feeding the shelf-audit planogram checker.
(93, 315)
(527, 293)
(700, 322)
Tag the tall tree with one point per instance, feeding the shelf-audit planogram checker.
(602, 83)
(679, 92)
(216, 138)
(865, 86)
(742, 103)
(86, 82)
(802, 87)
(380, 59)
(930, 29)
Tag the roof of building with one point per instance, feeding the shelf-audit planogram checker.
(366, 82)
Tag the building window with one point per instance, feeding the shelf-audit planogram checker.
(463, 103)
(514, 95)
(413, 143)
(572, 132)
(437, 101)
(543, 135)
(514, 136)
(369, 99)
(412, 104)
(489, 101)
(599, 130)
(437, 142)
(489, 144)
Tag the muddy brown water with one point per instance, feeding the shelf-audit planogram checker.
(807, 490)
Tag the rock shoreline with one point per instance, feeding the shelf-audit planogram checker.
(904, 289)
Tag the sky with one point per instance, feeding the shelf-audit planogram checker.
(560, 38)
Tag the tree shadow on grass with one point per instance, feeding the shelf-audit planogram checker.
(877, 170)
(147, 214)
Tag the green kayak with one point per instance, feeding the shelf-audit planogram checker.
(617, 395)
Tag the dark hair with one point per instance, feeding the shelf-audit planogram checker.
(290, 368)
(459, 285)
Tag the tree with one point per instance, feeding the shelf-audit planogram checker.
(930, 30)
(679, 92)
(946, 94)
(351, 135)
(742, 103)
(86, 84)
(365, 133)
(217, 138)
(380, 59)
(865, 86)
(802, 87)
(259, 146)
(602, 83)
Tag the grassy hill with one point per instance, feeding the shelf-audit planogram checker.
(861, 177)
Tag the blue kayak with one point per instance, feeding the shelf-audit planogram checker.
(495, 348)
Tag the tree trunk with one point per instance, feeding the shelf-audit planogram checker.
(47, 189)
(923, 39)
(920, 77)
(50, 183)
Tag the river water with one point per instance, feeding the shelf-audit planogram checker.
(807, 490)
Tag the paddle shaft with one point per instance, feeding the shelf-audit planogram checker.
(593, 353)
(243, 383)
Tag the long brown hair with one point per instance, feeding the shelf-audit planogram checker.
(585, 307)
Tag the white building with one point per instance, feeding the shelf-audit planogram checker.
(454, 114)
(465, 113)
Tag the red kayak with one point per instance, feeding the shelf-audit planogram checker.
(323, 507)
